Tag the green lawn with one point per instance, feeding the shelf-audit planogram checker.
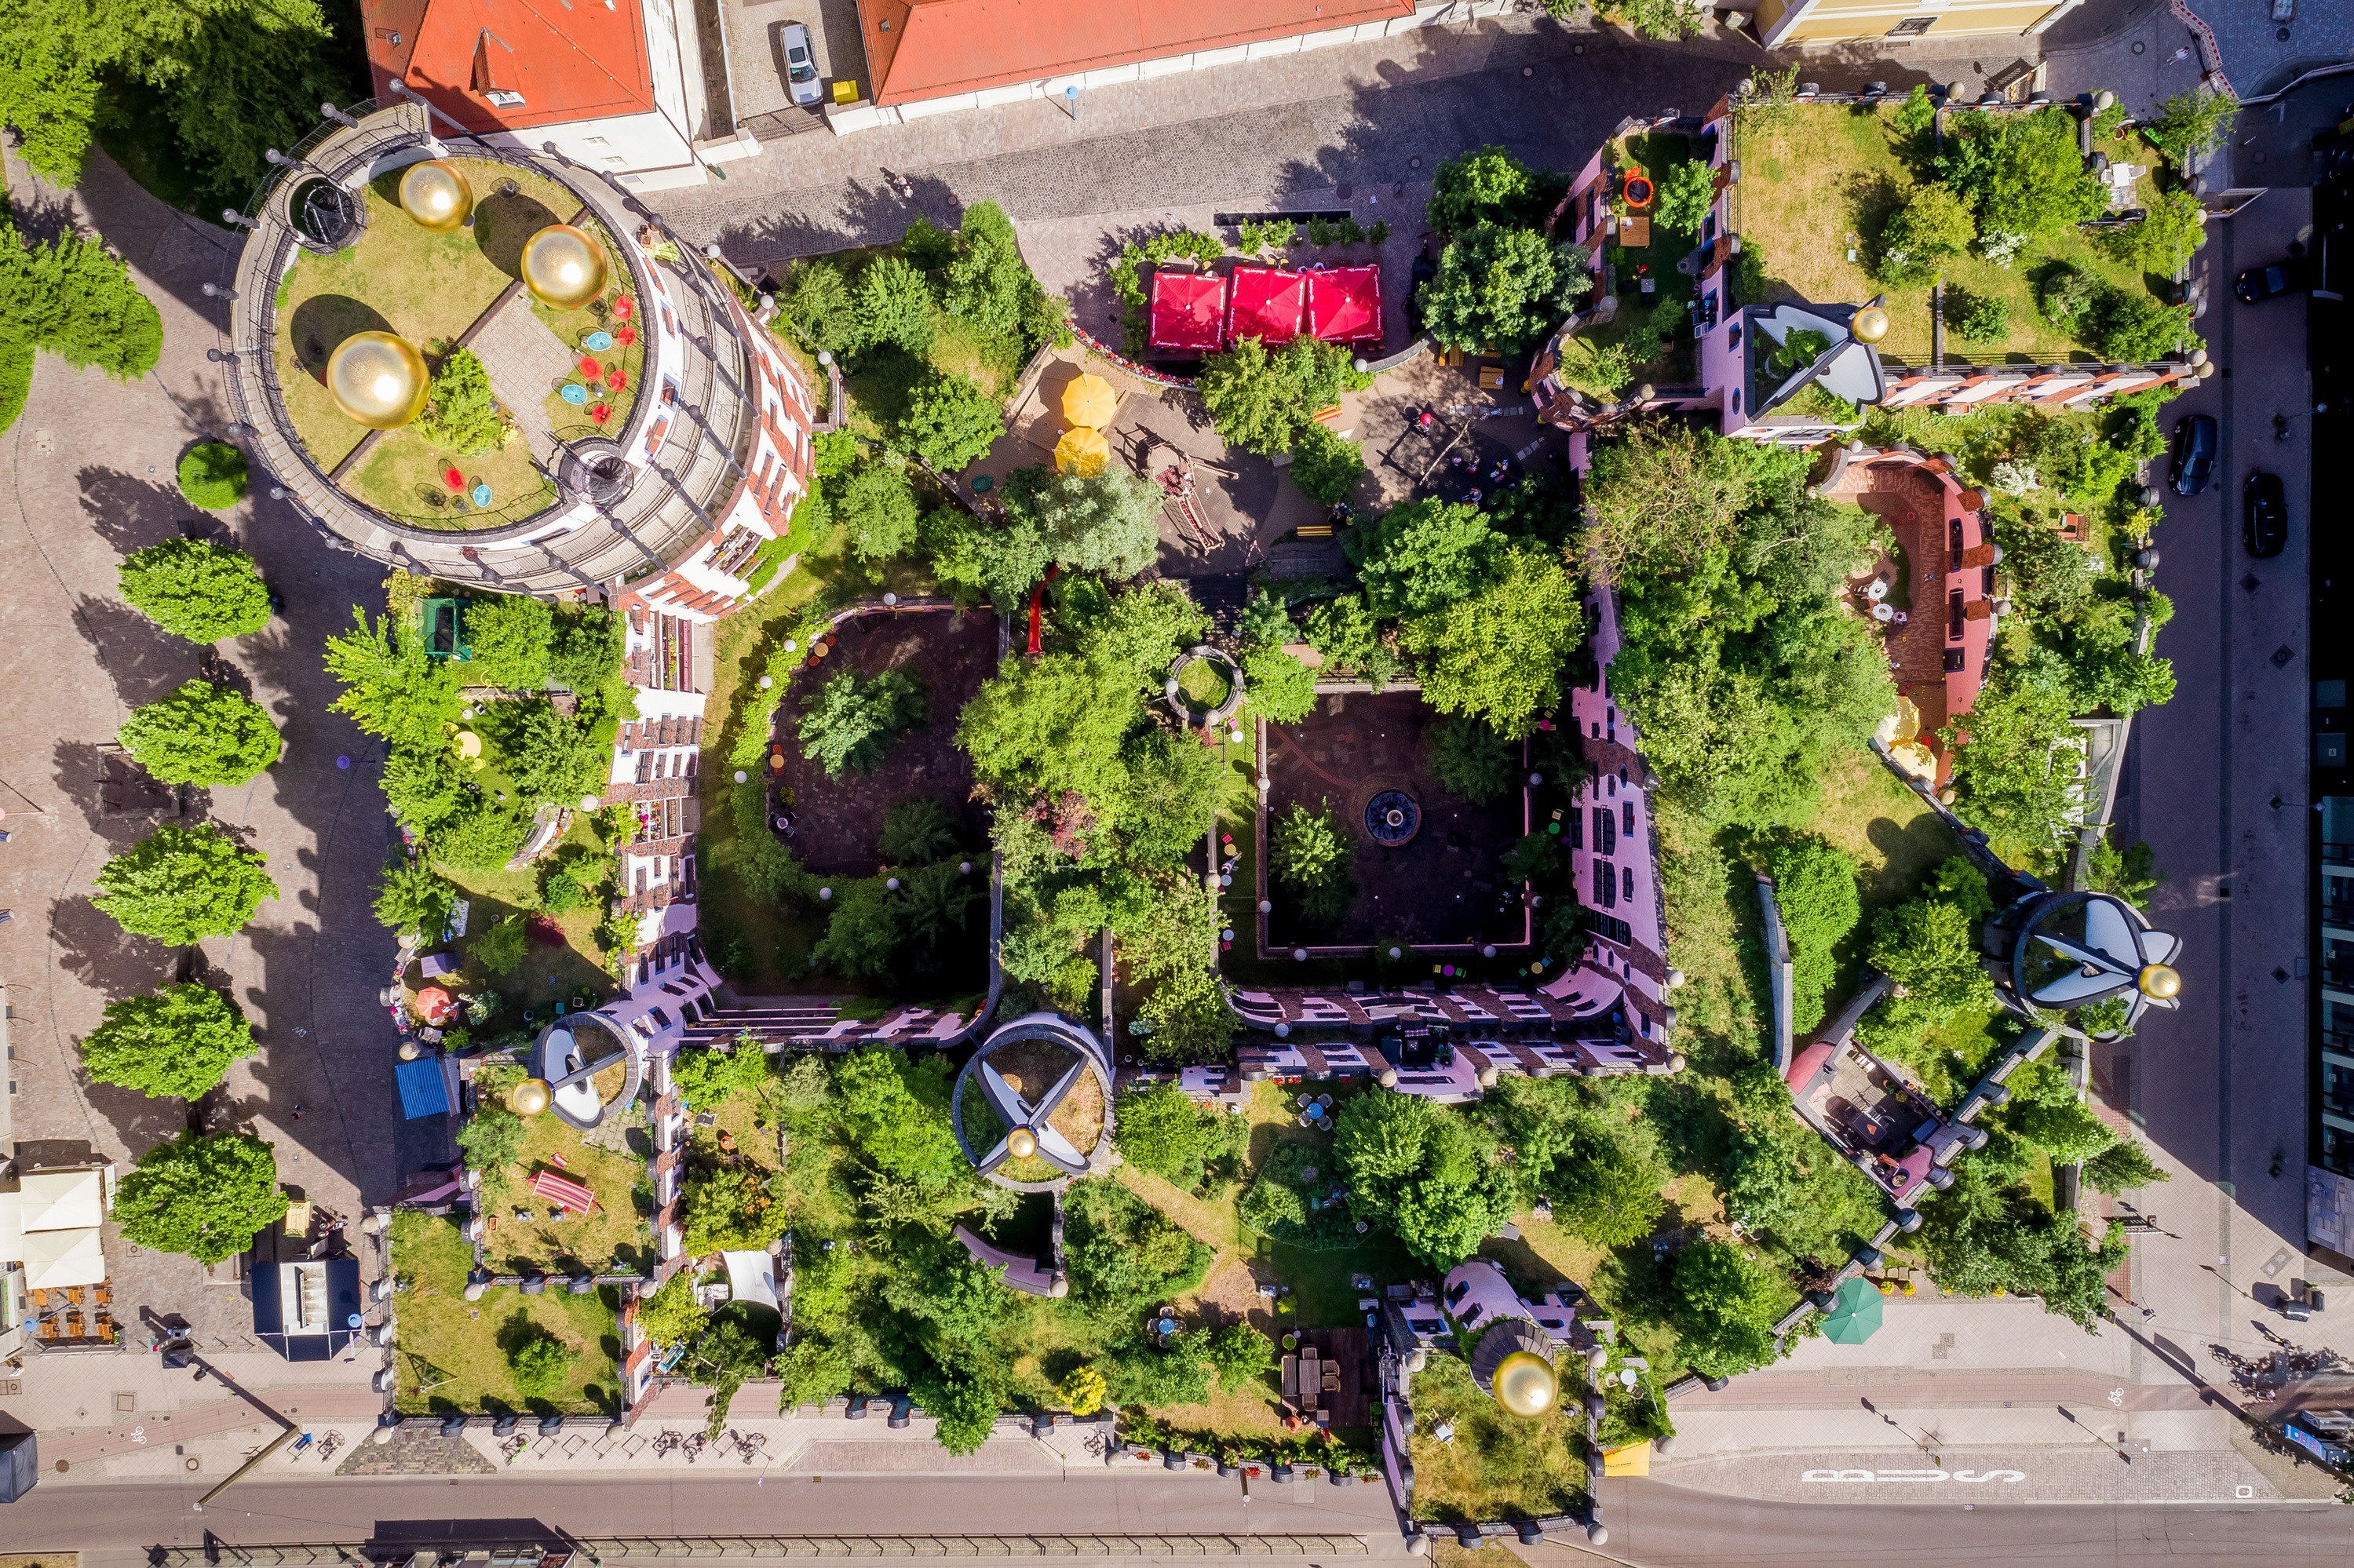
(451, 1354)
(1497, 1464)
(550, 971)
(612, 1236)
(1819, 181)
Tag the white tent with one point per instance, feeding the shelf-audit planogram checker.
(752, 1277)
(53, 1259)
(62, 1200)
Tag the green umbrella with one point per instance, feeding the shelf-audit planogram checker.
(1854, 1315)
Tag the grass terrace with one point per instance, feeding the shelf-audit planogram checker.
(610, 1162)
(453, 1354)
(1821, 181)
(435, 289)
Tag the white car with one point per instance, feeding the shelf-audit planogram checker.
(800, 65)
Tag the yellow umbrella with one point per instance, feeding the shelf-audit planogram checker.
(1089, 400)
(1083, 451)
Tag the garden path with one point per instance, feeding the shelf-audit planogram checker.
(525, 361)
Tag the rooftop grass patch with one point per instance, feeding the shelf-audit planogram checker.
(1493, 1465)
(454, 1355)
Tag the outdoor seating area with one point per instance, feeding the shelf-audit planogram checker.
(1324, 1377)
(1882, 1120)
(74, 1314)
(1195, 314)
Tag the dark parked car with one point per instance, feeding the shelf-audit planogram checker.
(2194, 455)
(2258, 284)
(2266, 526)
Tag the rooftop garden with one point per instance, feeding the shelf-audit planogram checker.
(553, 1353)
(1838, 203)
(430, 289)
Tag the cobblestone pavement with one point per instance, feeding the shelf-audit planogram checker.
(90, 477)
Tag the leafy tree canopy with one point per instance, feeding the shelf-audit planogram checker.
(894, 305)
(2123, 1166)
(1489, 186)
(1160, 1129)
(878, 506)
(1427, 1175)
(413, 899)
(196, 589)
(1281, 689)
(68, 297)
(1108, 523)
(1924, 946)
(513, 636)
(201, 734)
(390, 688)
(1685, 196)
(1423, 556)
(1471, 759)
(2020, 172)
(1263, 401)
(1499, 653)
(461, 413)
(181, 885)
(1325, 466)
(203, 1195)
(177, 1042)
(950, 421)
(1815, 889)
(851, 721)
(896, 1111)
(1504, 286)
(1725, 1306)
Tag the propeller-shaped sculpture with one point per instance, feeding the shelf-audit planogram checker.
(1028, 1131)
(2118, 953)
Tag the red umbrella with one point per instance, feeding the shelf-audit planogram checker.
(453, 479)
(432, 1004)
(626, 337)
(599, 414)
(624, 307)
(618, 379)
(590, 369)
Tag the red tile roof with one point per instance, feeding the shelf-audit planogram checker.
(580, 62)
(935, 48)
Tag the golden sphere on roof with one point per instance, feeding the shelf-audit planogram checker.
(1526, 1383)
(1022, 1143)
(377, 379)
(435, 195)
(529, 1098)
(563, 267)
(1871, 324)
(2159, 983)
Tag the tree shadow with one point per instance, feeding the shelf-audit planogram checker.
(321, 322)
(109, 960)
(132, 511)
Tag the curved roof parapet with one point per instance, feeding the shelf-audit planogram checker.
(1026, 1112)
(567, 1056)
(629, 501)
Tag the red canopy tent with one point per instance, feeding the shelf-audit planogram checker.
(1188, 312)
(1264, 302)
(1344, 304)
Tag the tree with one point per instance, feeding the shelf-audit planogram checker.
(897, 1112)
(539, 1365)
(1345, 631)
(850, 722)
(2123, 1166)
(201, 734)
(1607, 1191)
(584, 648)
(1423, 556)
(2022, 173)
(461, 413)
(1108, 523)
(2069, 296)
(1326, 467)
(1081, 1390)
(1923, 945)
(671, 1317)
(390, 688)
(196, 589)
(71, 299)
(1167, 796)
(501, 949)
(1724, 1307)
(181, 885)
(1264, 402)
(1816, 892)
(1498, 652)
(987, 282)
(711, 1078)
(2193, 121)
(553, 757)
(820, 308)
(204, 1195)
(2066, 1129)
(512, 636)
(894, 305)
(1050, 726)
(1311, 857)
(1266, 621)
(1666, 500)
(1282, 690)
(878, 507)
(1469, 758)
(2174, 226)
(2004, 763)
(1980, 1237)
(413, 900)
(1422, 1172)
(950, 421)
(178, 1042)
(1934, 224)
(2129, 873)
(2130, 325)
(1504, 286)
(1684, 197)
(1240, 1355)
(213, 475)
(1160, 1129)
(916, 831)
(491, 1140)
(1982, 318)
(1489, 186)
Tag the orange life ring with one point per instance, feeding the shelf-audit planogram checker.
(1638, 191)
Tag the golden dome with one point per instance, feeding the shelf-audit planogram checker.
(563, 267)
(1022, 1143)
(529, 1098)
(435, 195)
(2159, 983)
(1869, 325)
(1526, 1383)
(377, 379)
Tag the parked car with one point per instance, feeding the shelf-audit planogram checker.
(2265, 525)
(2194, 455)
(2258, 284)
(800, 65)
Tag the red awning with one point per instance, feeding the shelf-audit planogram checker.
(1344, 304)
(1188, 312)
(1264, 302)
(563, 1190)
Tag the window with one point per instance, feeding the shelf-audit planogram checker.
(1627, 874)
(1628, 828)
(1953, 535)
(1954, 616)
(1911, 28)
(1605, 883)
(1577, 830)
(1606, 830)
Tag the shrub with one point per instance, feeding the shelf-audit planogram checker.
(196, 589)
(461, 413)
(1471, 760)
(2133, 326)
(1932, 225)
(212, 476)
(850, 722)
(1311, 857)
(1684, 197)
(916, 831)
(1815, 889)
(1980, 317)
(1325, 466)
(500, 949)
(1081, 1390)
(2069, 297)
(1346, 633)
(1160, 1129)
(201, 734)
(538, 1365)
